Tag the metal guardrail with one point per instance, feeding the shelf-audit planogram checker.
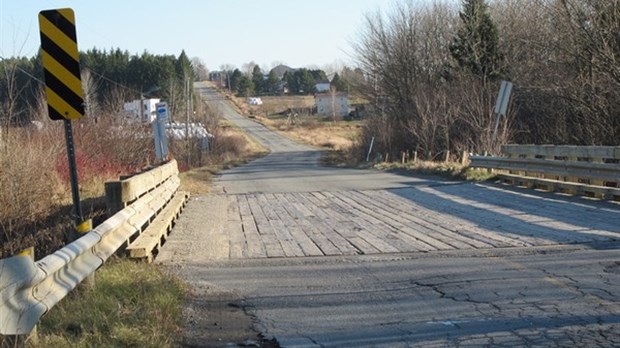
(29, 289)
(600, 171)
(570, 151)
(592, 170)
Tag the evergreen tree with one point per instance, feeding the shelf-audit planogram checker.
(475, 46)
(258, 80)
(318, 75)
(235, 79)
(271, 84)
(183, 66)
(291, 82)
(245, 88)
(305, 81)
(339, 84)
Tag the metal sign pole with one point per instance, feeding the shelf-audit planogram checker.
(501, 107)
(75, 190)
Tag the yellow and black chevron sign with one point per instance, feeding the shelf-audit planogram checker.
(61, 63)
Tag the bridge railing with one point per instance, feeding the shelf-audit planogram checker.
(581, 170)
(28, 289)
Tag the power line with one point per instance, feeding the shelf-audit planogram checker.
(114, 82)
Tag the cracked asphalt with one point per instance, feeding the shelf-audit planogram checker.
(553, 281)
(563, 296)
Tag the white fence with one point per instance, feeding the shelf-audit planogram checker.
(29, 289)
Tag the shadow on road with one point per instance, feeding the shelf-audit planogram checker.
(520, 211)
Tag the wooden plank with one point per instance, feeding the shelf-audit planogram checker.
(603, 191)
(157, 230)
(255, 247)
(447, 221)
(505, 217)
(322, 221)
(377, 240)
(288, 244)
(411, 233)
(238, 248)
(426, 229)
(137, 185)
(364, 246)
(391, 233)
(270, 241)
(287, 215)
(234, 228)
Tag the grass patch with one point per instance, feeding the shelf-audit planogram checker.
(133, 305)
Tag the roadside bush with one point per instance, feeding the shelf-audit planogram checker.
(31, 188)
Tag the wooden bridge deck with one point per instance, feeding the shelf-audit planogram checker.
(417, 219)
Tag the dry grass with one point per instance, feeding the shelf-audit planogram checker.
(450, 170)
(338, 136)
(276, 105)
(35, 199)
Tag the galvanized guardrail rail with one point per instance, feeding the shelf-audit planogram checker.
(29, 289)
(581, 170)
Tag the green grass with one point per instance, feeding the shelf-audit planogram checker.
(133, 305)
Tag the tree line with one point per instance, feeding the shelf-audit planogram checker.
(300, 81)
(109, 78)
(432, 74)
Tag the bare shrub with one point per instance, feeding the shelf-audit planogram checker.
(226, 147)
(31, 188)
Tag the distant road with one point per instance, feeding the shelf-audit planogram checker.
(328, 257)
(292, 167)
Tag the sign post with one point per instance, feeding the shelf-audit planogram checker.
(63, 87)
(159, 131)
(501, 106)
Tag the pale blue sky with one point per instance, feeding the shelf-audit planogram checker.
(297, 32)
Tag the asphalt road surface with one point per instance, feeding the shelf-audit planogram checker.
(286, 250)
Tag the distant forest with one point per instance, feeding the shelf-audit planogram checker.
(109, 78)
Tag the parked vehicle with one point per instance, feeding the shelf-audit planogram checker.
(255, 101)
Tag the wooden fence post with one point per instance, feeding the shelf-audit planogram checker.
(465, 158)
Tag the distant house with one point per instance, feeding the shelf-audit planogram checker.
(322, 86)
(329, 104)
(141, 111)
(282, 69)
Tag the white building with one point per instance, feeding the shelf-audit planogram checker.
(142, 111)
(322, 87)
(329, 103)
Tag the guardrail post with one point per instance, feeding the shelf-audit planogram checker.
(465, 158)
(81, 229)
(113, 197)
(598, 182)
(33, 336)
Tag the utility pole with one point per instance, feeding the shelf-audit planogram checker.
(187, 99)
(141, 113)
